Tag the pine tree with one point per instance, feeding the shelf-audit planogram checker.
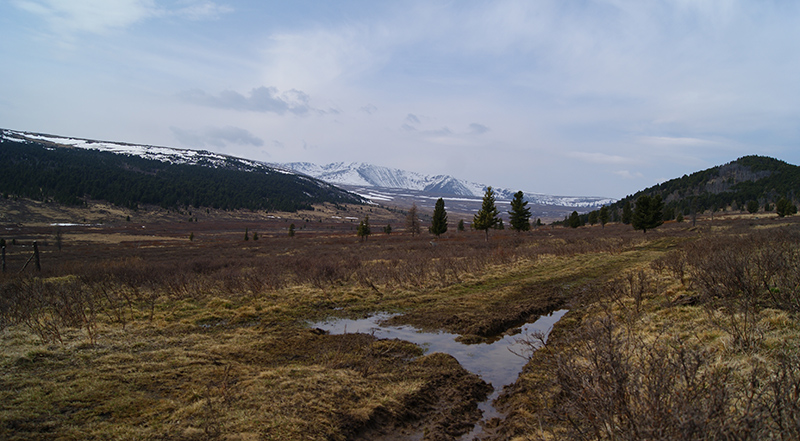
(603, 216)
(487, 217)
(291, 230)
(593, 217)
(785, 208)
(574, 220)
(461, 225)
(387, 229)
(412, 220)
(520, 214)
(439, 220)
(648, 213)
(627, 213)
(363, 228)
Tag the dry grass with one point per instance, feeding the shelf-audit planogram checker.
(208, 339)
(701, 344)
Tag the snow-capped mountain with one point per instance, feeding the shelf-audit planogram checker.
(163, 154)
(361, 178)
(358, 174)
(282, 188)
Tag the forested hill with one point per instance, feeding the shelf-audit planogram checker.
(43, 170)
(761, 179)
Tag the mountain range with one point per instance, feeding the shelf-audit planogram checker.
(72, 171)
(370, 182)
(358, 176)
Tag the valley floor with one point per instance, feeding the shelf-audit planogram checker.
(680, 333)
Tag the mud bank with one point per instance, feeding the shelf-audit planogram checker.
(498, 363)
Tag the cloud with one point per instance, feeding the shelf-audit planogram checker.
(477, 129)
(628, 174)
(369, 109)
(412, 118)
(261, 99)
(101, 16)
(219, 137)
(601, 158)
(677, 141)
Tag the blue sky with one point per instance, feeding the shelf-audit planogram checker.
(585, 97)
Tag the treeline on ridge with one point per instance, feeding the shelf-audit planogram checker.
(749, 183)
(72, 175)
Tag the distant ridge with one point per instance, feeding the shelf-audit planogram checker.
(749, 178)
(71, 171)
(358, 174)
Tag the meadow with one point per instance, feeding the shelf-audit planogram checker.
(134, 331)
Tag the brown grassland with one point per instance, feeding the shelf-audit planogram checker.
(133, 331)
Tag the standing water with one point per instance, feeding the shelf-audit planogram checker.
(498, 363)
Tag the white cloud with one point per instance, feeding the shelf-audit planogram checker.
(628, 174)
(601, 158)
(261, 99)
(101, 16)
(219, 137)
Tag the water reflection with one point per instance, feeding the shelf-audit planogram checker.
(497, 362)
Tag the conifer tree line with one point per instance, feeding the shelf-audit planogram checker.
(68, 176)
(751, 184)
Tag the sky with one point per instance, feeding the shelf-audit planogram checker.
(562, 97)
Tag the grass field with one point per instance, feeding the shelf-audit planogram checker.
(133, 331)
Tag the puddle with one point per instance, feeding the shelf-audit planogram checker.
(497, 362)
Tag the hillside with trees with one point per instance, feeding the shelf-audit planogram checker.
(72, 176)
(759, 179)
(751, 183)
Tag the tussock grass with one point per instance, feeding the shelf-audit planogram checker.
(210, 339)
(700, 344)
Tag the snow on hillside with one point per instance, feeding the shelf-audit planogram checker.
(367, 175)
(164, 154)
(355, 174)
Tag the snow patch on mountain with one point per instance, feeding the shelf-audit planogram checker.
(163, 154)
(367, 175)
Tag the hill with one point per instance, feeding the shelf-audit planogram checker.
(72, 171)
(749, 178)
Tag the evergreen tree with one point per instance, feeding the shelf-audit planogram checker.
(752, 207)
(363, 228)
(487, 217)
(679, 218)
(387, 229)
(648, 213)
(412, 220)
(439, 221)
(246, 234)
(520, 214)
(574, 220)
(291, 230)
(461, 225)
(627, 213)
(603, 216)
(593, 217)
(785, 208)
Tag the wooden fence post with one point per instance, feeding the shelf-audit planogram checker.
(36, 256)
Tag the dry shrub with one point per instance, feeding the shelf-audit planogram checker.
(609, 383)
(48, 307)
(738, 277)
